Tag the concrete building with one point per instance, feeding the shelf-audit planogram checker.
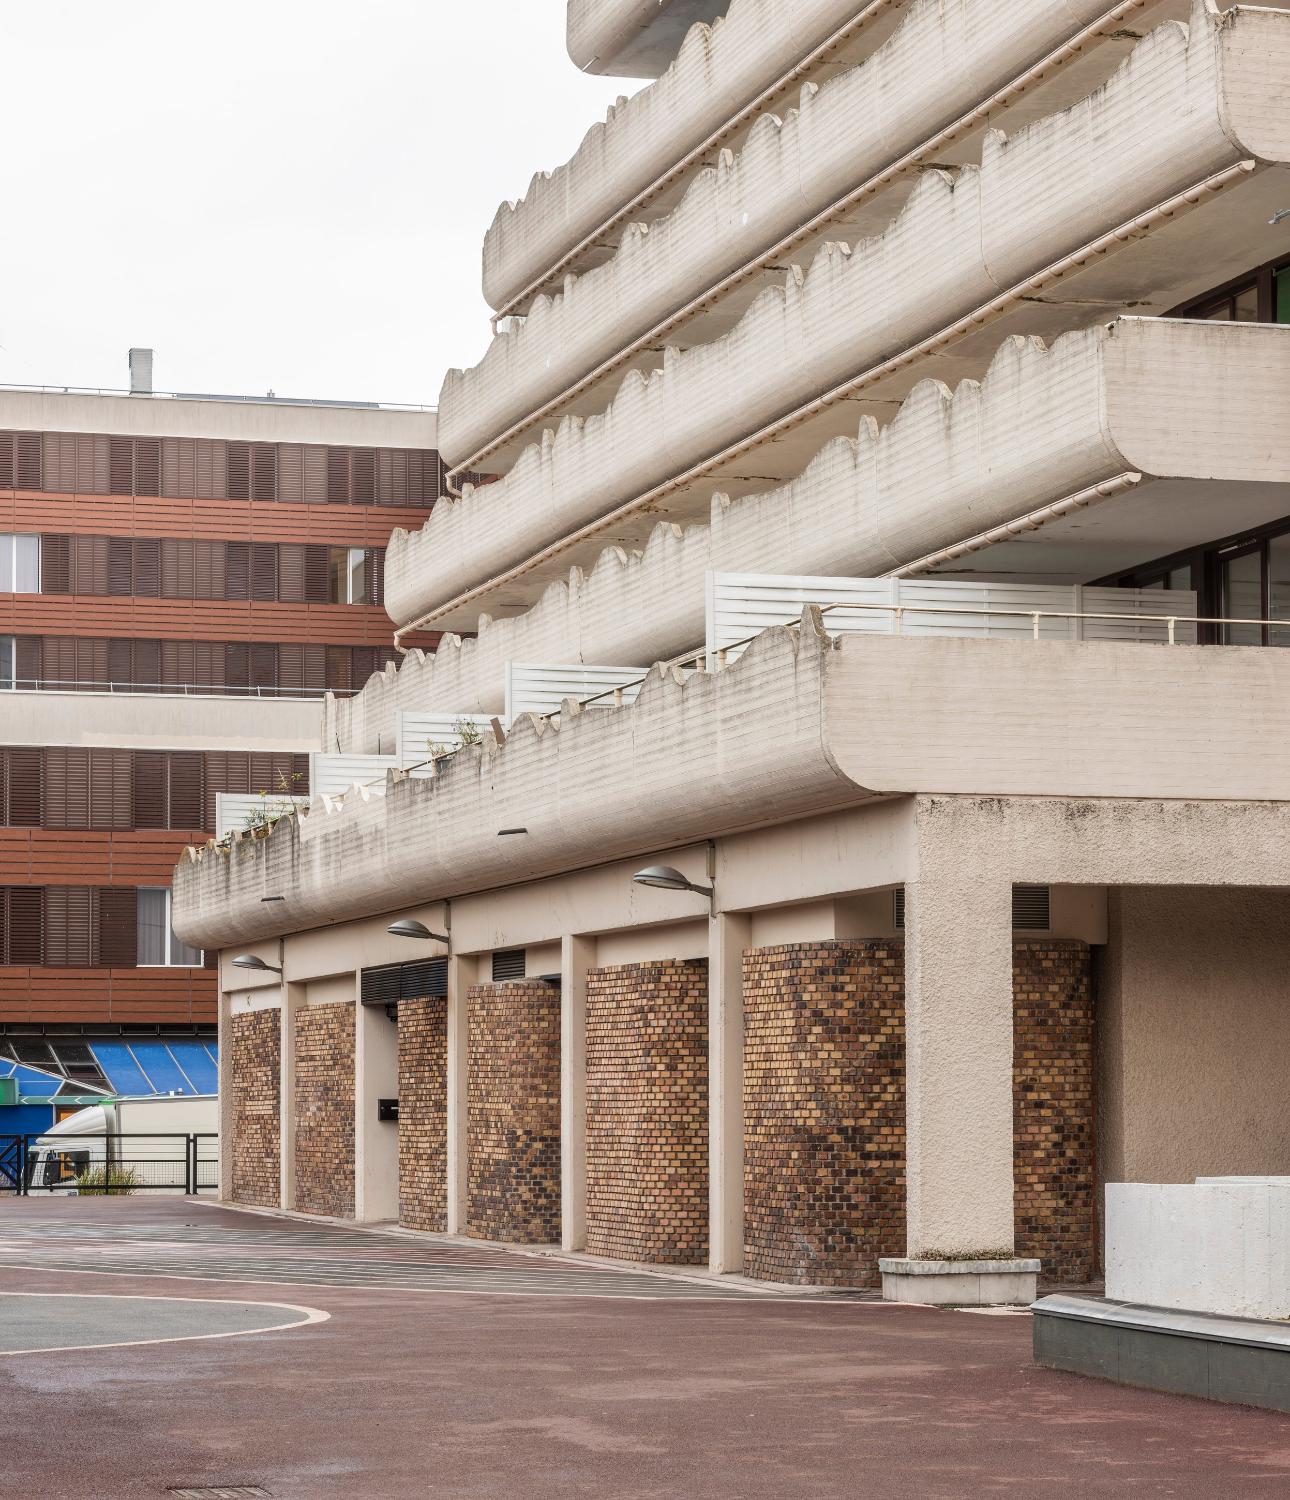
(181, 579)
(891, 528)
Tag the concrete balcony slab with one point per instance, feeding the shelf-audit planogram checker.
(1191, 146)
(633, 38)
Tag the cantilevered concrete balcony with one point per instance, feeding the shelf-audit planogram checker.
(1147, 192)
(848, 153)
(799, 725)
(633, 38)
(1066, 464)
(718, 74)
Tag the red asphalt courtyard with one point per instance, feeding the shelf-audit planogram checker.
(443, 1370)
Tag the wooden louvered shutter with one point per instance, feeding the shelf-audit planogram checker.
(89, 565)
(315, 668)
(178, 468)
(208, 665)
(111, 789)
(57, 661)
(338, 476)
(26, 926)
(185, 569)
(176, 662)
(340, 666)
(149, 775)
(147, 567)
(291, 669)
(186, 800)
(264, 571)
(4, 788)
(28, 461)
(69, 925)
(316, 474)
(145, 667)
(4, 891)
(291, 472)
(263, 782)
(92, 663)
(25, 803)
(291, 572)
(238, 458)
(317, 574)
(120, 466)
(362, 480)
(59, 459)
(55, 564)
(117, 927)
(6, 461)
(120, 566)
(237, 564)
(264, 471)
(28, 661)
(375, 571)
(147, 466)
(215, 780)
(391, 476)
(364, 664)
(263, 665)
(211, 458)
(300, 774)
(67, 787)
(120, 663)
(237, 667)
(94, 464)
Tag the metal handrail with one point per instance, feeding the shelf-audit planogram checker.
(168, 689)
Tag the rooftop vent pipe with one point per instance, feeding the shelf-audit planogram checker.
(141, 372)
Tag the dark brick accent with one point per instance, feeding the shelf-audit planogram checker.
(1053, 1072)
(513, 1112)
(824, 1111)
(647, 1112)
(423, 1114)
(325, 1109)
(254, 1073)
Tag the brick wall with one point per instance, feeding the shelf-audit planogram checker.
(513, 1112)
(824, 1111)
(254, 1040)
(647, 1112)
(324, 1134)
(423, 1114)
(1053, 1103)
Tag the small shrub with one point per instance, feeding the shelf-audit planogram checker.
(96, 1181)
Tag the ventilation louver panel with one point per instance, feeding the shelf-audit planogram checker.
(1031, 908)
(508, 964)
(424, 979)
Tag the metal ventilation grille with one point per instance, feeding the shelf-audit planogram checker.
(508, 964)
(425, 979)
(1031, 908)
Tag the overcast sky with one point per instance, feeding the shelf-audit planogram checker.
(284, 195)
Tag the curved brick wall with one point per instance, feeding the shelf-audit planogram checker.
(423, 1114)
(1053, 1102)
(824, 1111)
(513, 1112)
(324, 1103)
(647, 1112)
(255, 1043)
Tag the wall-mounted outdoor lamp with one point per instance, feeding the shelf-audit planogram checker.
(254, 962)
(665, 878)
(409, 927)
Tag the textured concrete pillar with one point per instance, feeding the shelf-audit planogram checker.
(292, 998)
(958, 1017)
(376, 1141)
(728, 936)
(457, 1175)
(577, 955)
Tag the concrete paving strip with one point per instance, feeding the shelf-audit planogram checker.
(47, 1322)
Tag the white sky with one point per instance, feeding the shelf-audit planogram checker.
(274, 194)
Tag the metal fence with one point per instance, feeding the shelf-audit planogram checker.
(115, 1165)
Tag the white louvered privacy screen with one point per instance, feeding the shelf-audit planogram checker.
(417, 732)
(333, 775)
(233, 809)
(539, 689)
(740, 605)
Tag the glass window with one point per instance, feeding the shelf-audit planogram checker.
(1179, 578)
(6, 662)
(1281, 295)
(1245, 305)
(1279, 587)
(347, 572)
(158, 947)
(1243, 597)
(19, 564)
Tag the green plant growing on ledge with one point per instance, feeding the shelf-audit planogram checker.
(260, 820)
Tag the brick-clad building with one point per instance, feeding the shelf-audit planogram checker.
(181, 580)
(845, 815)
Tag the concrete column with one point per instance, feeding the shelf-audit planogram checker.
(224, 1109)
(577, 955)
(458, 1184)
(293, 997)
(728, 936)
(958, 1060)
(376, 1141)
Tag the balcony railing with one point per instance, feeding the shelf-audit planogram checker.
(166, 689)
